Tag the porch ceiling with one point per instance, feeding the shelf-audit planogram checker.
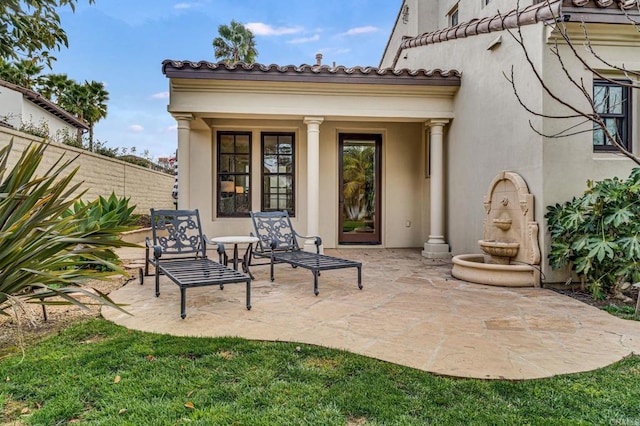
(256, 91)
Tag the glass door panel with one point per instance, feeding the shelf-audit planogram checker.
(359, 191)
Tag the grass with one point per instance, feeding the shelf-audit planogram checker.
(95, 372)
(624, 312)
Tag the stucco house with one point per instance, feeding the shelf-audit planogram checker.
(20, 106)
(400, 155)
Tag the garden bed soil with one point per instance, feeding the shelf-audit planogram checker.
(29, 325)
(629, 299)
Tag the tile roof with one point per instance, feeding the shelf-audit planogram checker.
(529, 15)
(46, 104)
(308, 73)
(588, 10)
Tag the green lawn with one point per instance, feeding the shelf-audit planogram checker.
(98, 373)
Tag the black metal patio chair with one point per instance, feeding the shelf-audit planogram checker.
(278, 241)
(181, 255)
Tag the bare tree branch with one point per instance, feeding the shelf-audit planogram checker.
(590, 111)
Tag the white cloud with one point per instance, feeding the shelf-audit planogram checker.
(173, 128)
(304, 39)
(359, 30)
(181, 6)
(262, 29)
(136, 128)
(160, 95)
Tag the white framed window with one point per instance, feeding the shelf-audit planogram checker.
(453, 16)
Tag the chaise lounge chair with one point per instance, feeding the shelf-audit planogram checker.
(278, 241)
(182, 255)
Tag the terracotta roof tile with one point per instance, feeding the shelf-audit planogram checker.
(538, 12)
(307, 73)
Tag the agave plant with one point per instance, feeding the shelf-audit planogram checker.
(107, 214)
(45, 250)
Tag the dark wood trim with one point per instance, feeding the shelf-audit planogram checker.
(376, 237)
(627, 94)
(293, 168)
(217, 172)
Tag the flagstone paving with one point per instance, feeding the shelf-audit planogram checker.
(410, 312)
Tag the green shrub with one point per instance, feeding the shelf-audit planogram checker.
(598, 234)
(113, 215)
(42, 248)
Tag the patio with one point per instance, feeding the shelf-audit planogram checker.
(410, 312)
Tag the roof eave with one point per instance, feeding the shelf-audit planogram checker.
(308, 74)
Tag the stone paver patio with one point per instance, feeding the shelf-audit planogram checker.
(410, 312)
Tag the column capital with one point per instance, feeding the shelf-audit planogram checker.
(437, 122)
(183, 116)
(313, 120)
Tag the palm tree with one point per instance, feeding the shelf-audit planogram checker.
(96, 107)
(21, 73)
(52, 86)
(73, 100)
(28, 70)
(8, 72)
(358, 190)
(88, 102)
(235, 44)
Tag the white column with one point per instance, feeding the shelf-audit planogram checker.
(313, 178)
(184, 171)
(436, 247)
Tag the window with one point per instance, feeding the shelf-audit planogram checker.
(234, 174)
(453, 16)
(278, 172)
(613, 104)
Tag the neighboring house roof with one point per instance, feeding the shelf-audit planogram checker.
(308, 73)
(46, 104)
(603, 11)
(7, 125)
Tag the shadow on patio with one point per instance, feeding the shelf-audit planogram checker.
(410, 312)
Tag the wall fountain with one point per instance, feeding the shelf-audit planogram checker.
(510, 240)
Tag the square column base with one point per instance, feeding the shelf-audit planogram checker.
(436, 251)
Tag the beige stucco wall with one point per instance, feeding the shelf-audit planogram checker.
(490, 131)
(403, 183)
(427, 16)
(570, 162)
(101, 175)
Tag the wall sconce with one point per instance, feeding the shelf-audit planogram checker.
(405, 14)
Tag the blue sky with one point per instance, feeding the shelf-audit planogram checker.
(122, 43)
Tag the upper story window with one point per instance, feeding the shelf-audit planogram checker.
(454, 16)
(278, 172)
(234, 174)
(613, 104)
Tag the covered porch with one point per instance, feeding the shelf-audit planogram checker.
(254, 137)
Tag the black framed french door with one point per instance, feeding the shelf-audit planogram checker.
(359, 203)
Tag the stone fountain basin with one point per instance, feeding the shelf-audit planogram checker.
(472, 268)
(499, 248)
